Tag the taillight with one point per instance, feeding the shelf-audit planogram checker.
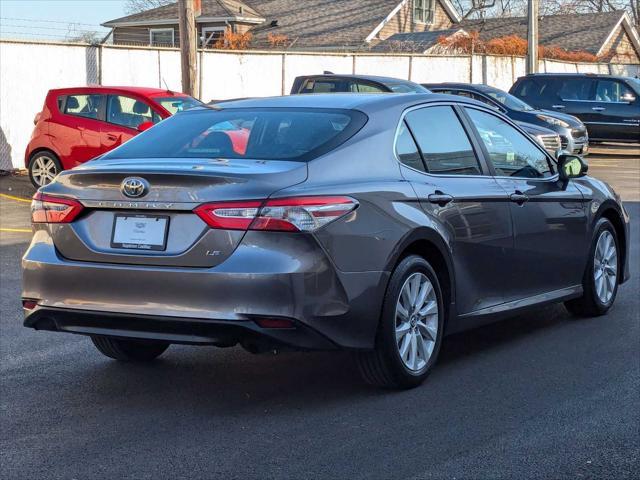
(49, 209)
(296, 214)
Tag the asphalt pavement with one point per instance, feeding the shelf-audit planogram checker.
(542, 395)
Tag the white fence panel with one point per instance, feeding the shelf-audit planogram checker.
(170, 70)
(499, 72)
(131, 67)
(386, 66)
(27, 73)
(626, 70)
(235, 75)
(441, 69)
(297, 65)
(551, 66)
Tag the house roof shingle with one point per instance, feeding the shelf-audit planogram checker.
(583, 32)
(169, 13)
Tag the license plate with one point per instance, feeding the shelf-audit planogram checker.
(140, 232)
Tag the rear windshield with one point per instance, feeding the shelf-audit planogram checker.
(259, 134)
(177, 104)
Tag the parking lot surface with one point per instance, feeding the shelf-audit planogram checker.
(542, 395)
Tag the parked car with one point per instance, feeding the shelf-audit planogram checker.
(370, 223)
(331, 83)
(573, 133)
(549, 139)
(608, 105)
(78, 124)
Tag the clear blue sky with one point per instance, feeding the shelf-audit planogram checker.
(56, 19)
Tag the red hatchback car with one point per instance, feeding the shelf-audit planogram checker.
(78, 124)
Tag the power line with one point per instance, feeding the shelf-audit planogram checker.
(49, 21)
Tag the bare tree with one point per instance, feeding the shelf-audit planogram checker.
(136, 6)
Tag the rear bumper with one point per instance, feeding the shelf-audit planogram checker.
(270, 275)
(190, 331)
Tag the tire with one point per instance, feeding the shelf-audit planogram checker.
(385, 366)
(593, 303)
(43, 167)
(129, 350)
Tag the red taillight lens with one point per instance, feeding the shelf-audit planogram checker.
(29, 304)
(296, 214)
(49, 209)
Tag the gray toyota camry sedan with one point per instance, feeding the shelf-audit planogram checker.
(371, 223)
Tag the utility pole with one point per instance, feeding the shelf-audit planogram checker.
(188, 46)
(532, 36)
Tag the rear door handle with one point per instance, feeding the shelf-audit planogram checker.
(558, 107)
(598, 109)
(440, 198)
(519, 197)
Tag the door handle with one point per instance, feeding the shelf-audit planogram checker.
(598, 109)
(558, 107)
(519, 197)
(440, 198)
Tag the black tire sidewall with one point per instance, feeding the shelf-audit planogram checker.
(589, 281)
(41, 153)
(386, 340)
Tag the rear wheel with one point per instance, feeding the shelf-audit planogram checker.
(410, 331)
(129, 350)
(600, 282)
(43, 168)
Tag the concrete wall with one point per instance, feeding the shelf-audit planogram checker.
(29, 69)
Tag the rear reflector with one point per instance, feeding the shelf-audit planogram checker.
(50, 209)
(295, 214)
(28, 304)
(275, 323)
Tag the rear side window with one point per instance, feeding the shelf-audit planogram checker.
(359, 87)
(444, 144)
(87, 106)
(407, 150)
(324, 86)
(257, 134)
(576, 89)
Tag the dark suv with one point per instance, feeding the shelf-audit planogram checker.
(331, 83)
(608, 105)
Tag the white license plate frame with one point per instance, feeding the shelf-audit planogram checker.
(142, 239)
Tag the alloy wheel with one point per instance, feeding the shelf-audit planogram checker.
(44, 170)
(605, 267)
(416, 321)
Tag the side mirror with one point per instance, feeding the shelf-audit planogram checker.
(571, 166)
(145, 126)
(628, 97)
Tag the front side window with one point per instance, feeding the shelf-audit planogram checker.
(162, 37)
(612, 91)
(444, 144)
(87, 106)
(423, 11)
(511, 152)
(177, 104)
(129, 112)
(324, 86)
(253, 134)
(359, 87)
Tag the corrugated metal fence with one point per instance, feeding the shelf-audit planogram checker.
(29, 69)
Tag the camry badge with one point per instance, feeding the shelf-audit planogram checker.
(134, 187)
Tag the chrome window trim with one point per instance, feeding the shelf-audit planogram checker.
(595, 101)
(436, 175)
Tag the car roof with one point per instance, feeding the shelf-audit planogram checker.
(594, 75)
(372, 78)
(144, 91)
(366, 102)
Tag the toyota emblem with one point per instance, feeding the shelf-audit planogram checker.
(134, 187)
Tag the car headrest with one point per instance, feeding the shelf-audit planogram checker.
(140, 108)
(72, 102)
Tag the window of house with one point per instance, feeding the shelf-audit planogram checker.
(444, 144)
(423, 11)
(211, 35)
(162, 37)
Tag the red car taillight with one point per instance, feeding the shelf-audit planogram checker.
(50, 209)
(296, 214)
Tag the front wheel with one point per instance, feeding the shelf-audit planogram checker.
(129, 350)
(600, 282)
(410, 331)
